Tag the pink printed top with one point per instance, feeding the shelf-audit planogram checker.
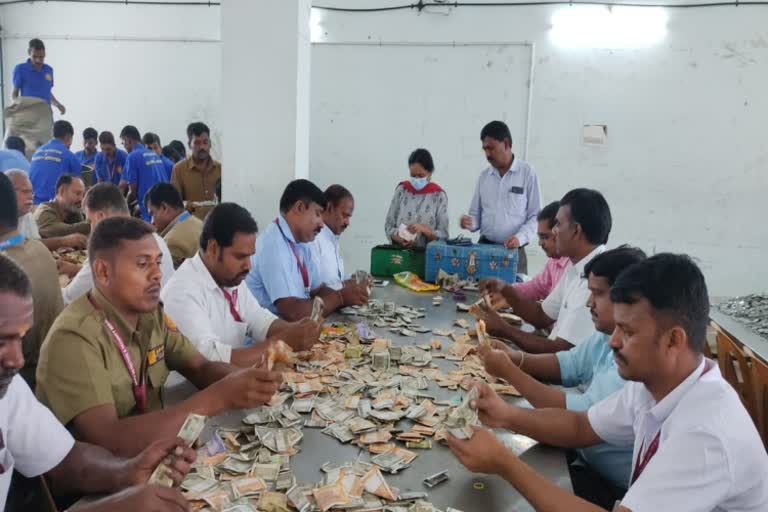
(545, 281)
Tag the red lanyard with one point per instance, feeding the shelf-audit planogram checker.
(139, 388)
(302, 266)
(232, 299)
(644, 459)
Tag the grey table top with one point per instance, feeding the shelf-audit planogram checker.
(741, 332)
(465, 491)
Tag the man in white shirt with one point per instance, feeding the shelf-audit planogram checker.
(695, 447)
(210, 303)
(583, 223)
(33, 442)
(325, 247)
(103, 201)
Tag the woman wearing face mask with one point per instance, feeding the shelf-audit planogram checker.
(418, 204)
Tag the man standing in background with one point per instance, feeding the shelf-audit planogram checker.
(195, 177)
(143, 169)
(13, 156)
(110, 161)
(87, 155)
(51, 160)
(152, 141)
(34, 77)
(507, 197)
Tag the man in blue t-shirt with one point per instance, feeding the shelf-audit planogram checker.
(35, 77)
(110, 161)
(152, 142)
(13, 156)
(143, 168)
(51, 160)
(87, 155)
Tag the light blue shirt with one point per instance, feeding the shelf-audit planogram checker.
(509, 205)
(13, 159)
(591, 364)
(328, 261)
(275, 272)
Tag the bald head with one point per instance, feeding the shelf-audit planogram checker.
(23, 188)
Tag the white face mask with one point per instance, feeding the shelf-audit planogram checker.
(419, 183)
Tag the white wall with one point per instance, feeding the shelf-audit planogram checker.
(156, 67)
(684, 169)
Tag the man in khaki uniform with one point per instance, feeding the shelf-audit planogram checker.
(115, 400)
(195, 177)
(180, 230)
(33, 257)
(63, 215)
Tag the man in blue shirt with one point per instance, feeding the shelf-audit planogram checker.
(599, 474)
(35, 77)
(51, 160)
(143, 168)
(110, 161)
(13, 156)
(283, 277)
(507, 198)
(87, 155)
(152, 142)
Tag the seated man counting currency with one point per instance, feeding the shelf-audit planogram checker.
(208, 299)
(33, 442)
(283, 277)
(695, 446)
(583, 223)
(107, 356)
(600, 473)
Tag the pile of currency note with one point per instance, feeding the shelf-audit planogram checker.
(359, 390)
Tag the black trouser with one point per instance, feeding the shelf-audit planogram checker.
(588, 484)
(522, 258)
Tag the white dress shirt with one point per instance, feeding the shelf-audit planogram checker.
(28, 227)
(710, 456)
(567, 304)
(328, 262)
(83, 280)
(194, 301)
(32, 440)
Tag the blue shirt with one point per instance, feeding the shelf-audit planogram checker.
(143, 168)
(275, 272)
(591, 364)
(328, 262)
(50, 161)
(509, 205)
(31, 82)
(13, 159)
(168, 163)
(86, 160)
(107, 171)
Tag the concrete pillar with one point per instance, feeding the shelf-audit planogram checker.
(265, 100)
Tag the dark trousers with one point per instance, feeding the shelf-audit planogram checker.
(522, 258)
(589, 485)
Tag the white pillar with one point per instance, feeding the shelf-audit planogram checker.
(265, 100)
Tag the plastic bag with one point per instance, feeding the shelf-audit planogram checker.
(413, 282)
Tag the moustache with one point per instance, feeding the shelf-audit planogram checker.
(618, 356)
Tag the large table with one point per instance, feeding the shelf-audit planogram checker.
(465, 491)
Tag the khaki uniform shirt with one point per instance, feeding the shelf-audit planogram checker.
(196, 184)
(35, 259)
(183, 238)
(81, 366)
(52, 221)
